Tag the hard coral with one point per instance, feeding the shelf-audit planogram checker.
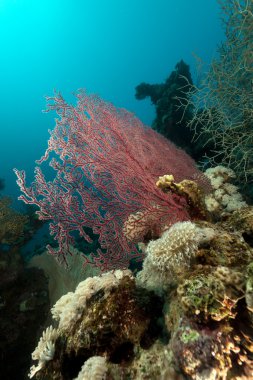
(205, 297)
(202, 353)
(190, 190)
(226, 248)
(242, 221)
(203, 271)
(106, 316)
(225, 197)
(209, 301)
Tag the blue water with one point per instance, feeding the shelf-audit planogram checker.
(107, 47)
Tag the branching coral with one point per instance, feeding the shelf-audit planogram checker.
(224, 102)
(106, 163)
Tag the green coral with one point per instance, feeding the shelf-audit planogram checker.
(189, 335)
(204, 297)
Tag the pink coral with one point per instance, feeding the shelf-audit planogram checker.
(106, 163)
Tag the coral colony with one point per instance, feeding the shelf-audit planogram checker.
(106, 167)
(186, 315)
(192, 230)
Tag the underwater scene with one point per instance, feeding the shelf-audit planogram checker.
(126, 199)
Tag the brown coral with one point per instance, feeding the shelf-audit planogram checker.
(113, 322)
(11, 222)
(188, 189)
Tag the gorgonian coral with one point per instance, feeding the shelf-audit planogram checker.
(106, 166)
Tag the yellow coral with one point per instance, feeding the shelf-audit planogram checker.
(188, 189)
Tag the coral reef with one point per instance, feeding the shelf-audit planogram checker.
(106, 316)
(188, 314)
(242, 221)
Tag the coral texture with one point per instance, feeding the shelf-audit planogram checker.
(200, 329)
(68, 309)
(225, 196)
(106, 166)
(94, 368)
(109, 316)
(175, 247)
(171, 254)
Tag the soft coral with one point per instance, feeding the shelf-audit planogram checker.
(107, 166)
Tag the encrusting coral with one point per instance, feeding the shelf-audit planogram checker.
(188, 189)
(225, 196)
(107, 316)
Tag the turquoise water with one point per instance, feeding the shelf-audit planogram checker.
(107, 47)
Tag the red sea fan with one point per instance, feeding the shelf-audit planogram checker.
(106, 165)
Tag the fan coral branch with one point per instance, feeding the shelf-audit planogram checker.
(106, 163)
